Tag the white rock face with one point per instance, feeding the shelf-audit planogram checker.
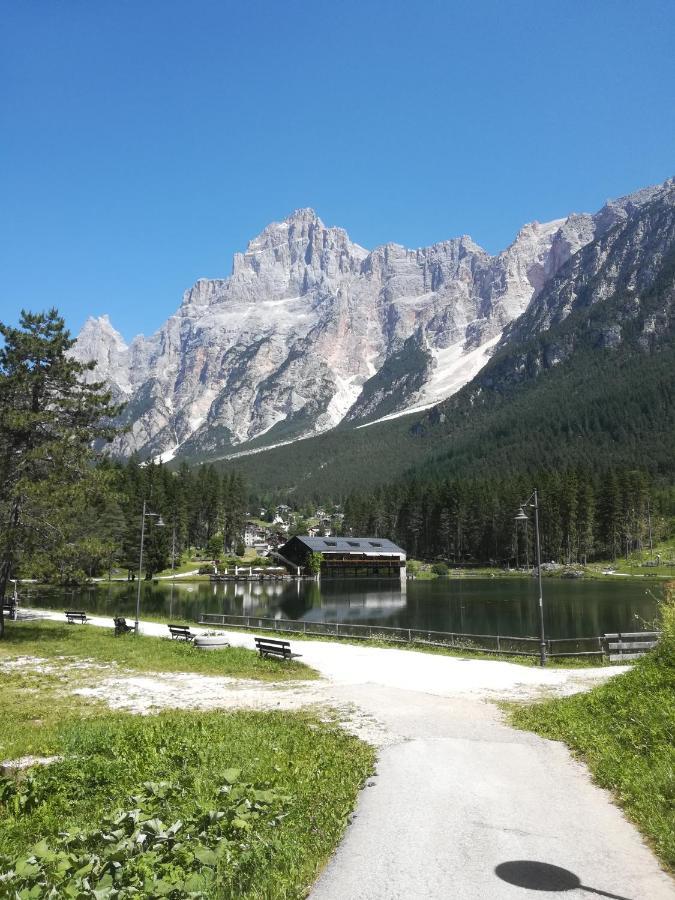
(284, 346)
(98, 340)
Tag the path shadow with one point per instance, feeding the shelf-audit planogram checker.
(540, 876)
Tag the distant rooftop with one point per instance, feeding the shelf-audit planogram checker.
(350, 545)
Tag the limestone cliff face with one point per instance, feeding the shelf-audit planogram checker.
(311, 329)
(617, 290)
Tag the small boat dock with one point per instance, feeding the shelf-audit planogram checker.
(253, 573)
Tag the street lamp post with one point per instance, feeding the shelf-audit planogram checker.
(173, 566)
(533, 502)
(159, 524)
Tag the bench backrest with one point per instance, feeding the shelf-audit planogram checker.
(271, 642)
(181, 629)
(630, 644)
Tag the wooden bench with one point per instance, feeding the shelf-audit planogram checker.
(76, 616)
(626, 645)
(121, 626)
(9, 610)
(180, 632)
(270, 647)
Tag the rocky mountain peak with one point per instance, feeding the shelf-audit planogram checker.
(298, 252)
(100, 328)
(100, 341)
(304, 215)
(311, 329)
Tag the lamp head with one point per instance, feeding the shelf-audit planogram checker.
(522, 516)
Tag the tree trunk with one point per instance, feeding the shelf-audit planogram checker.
(6, 563)
(4, 578)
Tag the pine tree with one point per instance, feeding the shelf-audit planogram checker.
(50, 413)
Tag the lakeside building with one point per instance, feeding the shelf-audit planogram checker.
(349, 557)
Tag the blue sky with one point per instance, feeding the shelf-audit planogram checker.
(144, 141)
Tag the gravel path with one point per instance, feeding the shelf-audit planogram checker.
(459, 797)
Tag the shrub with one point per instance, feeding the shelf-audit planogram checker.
(314, 563)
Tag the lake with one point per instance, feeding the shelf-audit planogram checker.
(504, 606)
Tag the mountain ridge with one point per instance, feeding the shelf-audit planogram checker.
(312, 331)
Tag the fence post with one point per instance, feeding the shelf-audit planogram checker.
(337, 628)
(409, 637)
(498, 645)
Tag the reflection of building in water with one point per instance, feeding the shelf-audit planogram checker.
(248, 597)
(347, 557)
(345, 602)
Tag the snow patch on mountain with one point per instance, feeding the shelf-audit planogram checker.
(454, 367)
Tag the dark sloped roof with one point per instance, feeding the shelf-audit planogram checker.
(350, 545)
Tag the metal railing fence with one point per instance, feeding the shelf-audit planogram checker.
(507, 645)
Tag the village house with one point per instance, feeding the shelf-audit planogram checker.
(351, 557)
(254, 534)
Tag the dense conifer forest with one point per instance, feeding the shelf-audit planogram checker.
(463, 521)
(198, 508)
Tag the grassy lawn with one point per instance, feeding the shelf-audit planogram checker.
(625, 731)
(179, 804)
(49, 640)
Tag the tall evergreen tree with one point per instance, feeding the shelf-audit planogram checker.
(50, 413)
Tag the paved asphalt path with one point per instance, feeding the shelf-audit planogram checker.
(458, 794)
(460, 797)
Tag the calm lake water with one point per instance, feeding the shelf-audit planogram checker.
(504, 606)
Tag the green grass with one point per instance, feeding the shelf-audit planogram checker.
(313, 767)
(625, 731)
(49, 640)
(285, 782)
(635, 564)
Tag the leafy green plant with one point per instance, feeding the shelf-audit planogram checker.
(19, 794)
(177, 767)
(135, 852)
(314, 562)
